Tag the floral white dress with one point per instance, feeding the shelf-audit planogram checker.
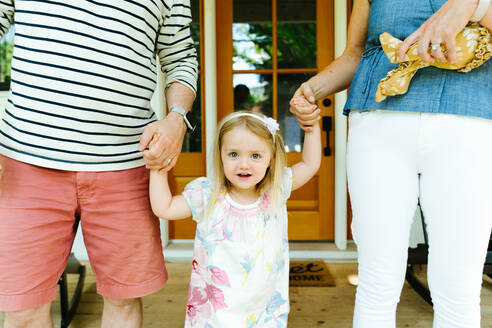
(240, 275)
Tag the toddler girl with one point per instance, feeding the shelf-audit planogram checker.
(240, 274)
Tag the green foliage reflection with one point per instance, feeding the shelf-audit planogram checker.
(296, 45)
(6, 50)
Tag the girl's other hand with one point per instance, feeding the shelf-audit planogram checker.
(154, 140)
(441, 28)
(304, 108)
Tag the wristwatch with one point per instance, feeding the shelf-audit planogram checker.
(188, 119)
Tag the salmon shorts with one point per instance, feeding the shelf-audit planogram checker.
(39, 208)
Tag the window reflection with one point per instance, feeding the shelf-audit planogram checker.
(193, 141)
(6, 49)
(296, 33)
(252, 34)
(253, 92)
(291, 132)
(195, 25)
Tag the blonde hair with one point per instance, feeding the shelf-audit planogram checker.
(275, 172)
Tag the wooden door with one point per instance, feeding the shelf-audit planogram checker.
(265, 50)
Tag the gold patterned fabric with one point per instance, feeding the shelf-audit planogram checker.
(473, 48)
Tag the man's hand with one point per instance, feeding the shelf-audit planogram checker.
(165, 150)
(304, 108)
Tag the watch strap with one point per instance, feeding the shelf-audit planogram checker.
(184, 113)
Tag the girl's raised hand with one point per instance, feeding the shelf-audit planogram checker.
(304, 108)
(440, 29)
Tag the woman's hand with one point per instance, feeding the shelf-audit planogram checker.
(303, 107)
(440, 29)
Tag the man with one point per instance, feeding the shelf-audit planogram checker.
(71, 139)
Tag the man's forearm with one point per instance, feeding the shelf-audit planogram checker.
(179, 95)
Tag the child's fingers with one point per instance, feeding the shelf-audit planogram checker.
(303, 105)
(311, 113)
(154, 140)
(156, 146)
(301, 101)
(146, 137)
(154, 151)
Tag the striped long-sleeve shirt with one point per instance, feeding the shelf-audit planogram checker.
(83, 73)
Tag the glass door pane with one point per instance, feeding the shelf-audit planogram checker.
(252, 34)
(192, 142)
(6, 49)
(253, 92)
(296, 33)
(296, 58)
(291, 132)
(195, 26)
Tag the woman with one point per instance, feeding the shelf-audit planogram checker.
(432, 144)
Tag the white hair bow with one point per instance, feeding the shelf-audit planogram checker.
(269, 122)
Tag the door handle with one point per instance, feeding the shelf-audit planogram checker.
(327, 126)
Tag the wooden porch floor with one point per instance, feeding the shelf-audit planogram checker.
(310, 306)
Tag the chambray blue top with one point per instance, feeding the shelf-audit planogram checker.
(431, 90)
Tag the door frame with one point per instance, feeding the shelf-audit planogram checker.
(211, 93)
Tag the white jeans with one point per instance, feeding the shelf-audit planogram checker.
(394, 159)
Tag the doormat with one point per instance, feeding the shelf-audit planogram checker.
(310, 273)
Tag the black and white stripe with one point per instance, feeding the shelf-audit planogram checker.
(83, 73)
